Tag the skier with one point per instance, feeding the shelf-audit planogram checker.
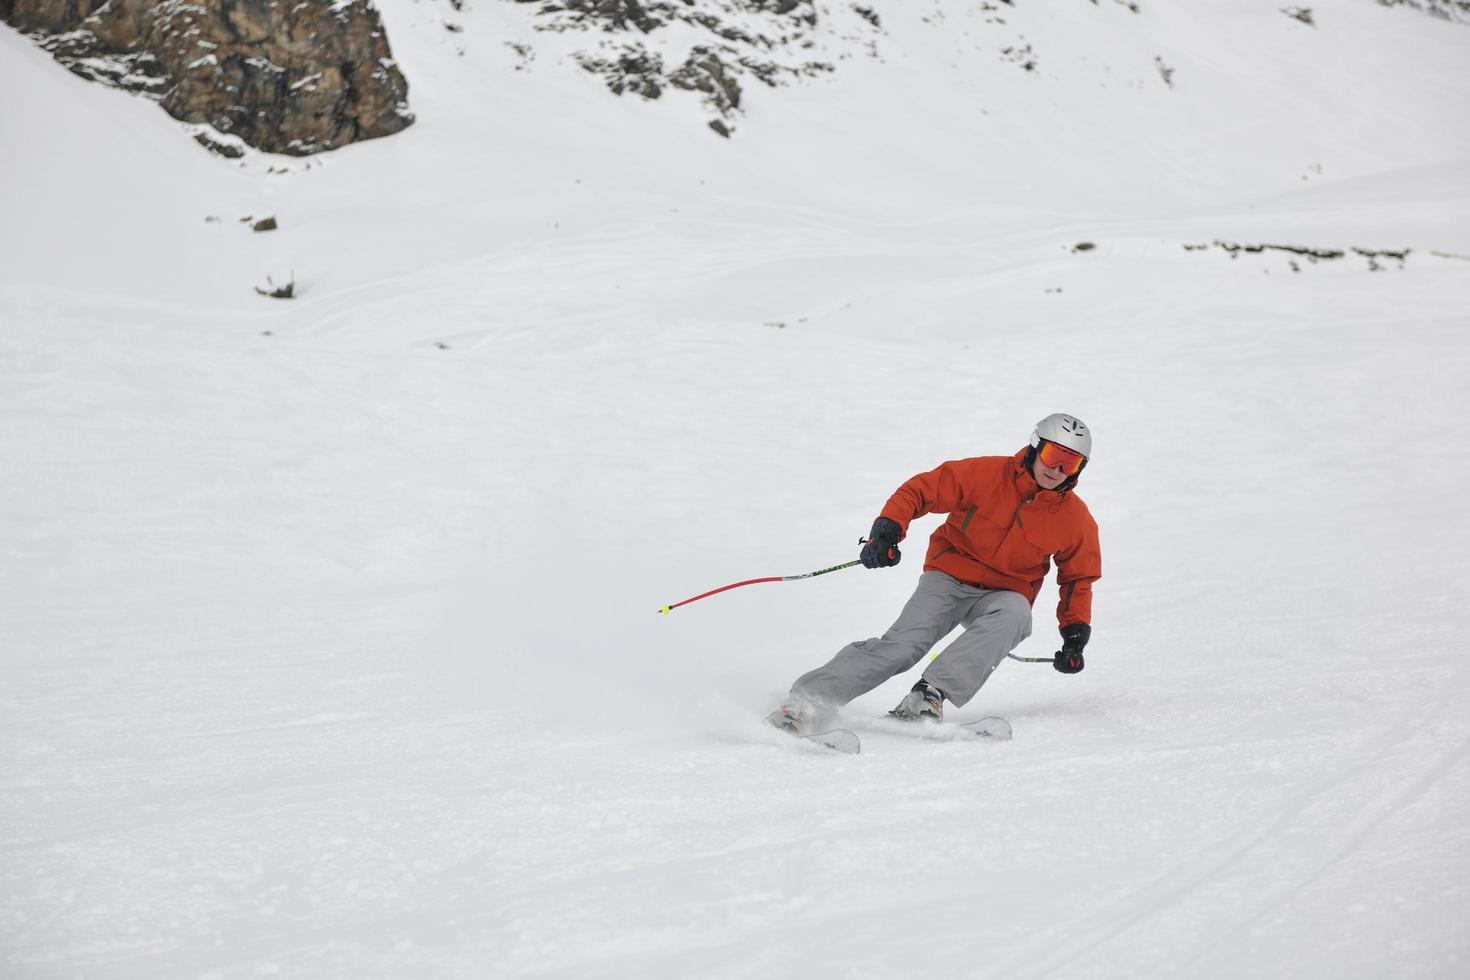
(1008, 517)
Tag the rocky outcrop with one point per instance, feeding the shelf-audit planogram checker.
(285, 76)
(1456, 10)
(767, 41)
(726, 51)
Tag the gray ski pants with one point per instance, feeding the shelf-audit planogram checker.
(995, 623)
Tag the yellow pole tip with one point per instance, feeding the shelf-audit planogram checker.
(664, 610)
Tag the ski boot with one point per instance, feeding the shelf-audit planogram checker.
(792, 719)
(922, 703)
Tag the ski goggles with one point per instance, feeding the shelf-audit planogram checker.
(1055, 457)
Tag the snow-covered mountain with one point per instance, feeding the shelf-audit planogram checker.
(328, 643)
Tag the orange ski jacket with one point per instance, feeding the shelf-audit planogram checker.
(1003, 530)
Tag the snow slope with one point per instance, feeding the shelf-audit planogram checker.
(327, 632)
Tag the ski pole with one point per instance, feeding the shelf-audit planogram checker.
(755, 581)
(1024, 660)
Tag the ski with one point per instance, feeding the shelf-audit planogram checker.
(994, 728)
(991, 729)
(838, 740)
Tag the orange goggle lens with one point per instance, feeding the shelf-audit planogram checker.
(1054, 457)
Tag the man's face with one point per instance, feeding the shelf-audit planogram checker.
(1048, 478)
(1054, 464)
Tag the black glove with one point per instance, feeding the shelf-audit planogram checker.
(881, 549)
(1069, 658)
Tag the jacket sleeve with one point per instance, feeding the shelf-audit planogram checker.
(1078, 566)
(945, 488)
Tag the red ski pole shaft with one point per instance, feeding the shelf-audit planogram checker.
(756, 581)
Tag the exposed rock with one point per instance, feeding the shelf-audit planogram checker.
(288, 291)
(1457, 10)
(1165, 72)
(1021, 55)
(772, 41)
(1312, 255)
(1374, 254)
(705, 72)
(631, 69)
(611, 15)
(802, 10)
(229, 151)
(286, 76)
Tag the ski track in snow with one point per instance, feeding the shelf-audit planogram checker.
(1374, 792)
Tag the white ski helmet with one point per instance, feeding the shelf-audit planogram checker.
(1064, 430)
